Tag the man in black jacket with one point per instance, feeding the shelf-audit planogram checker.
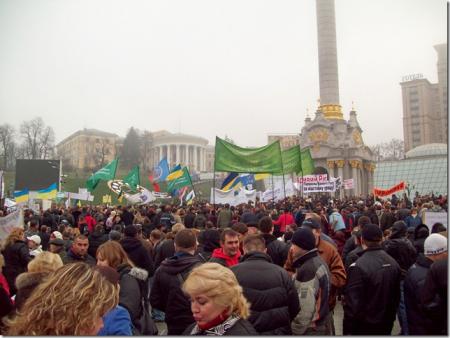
(372, 293)
(418, 321)
(277, 250)
(433, 297)
(273, 299)
(166, 294)
(135, 250)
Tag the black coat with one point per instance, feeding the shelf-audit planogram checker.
(133, 285)
(95, 240)
(166, 294)
(418, 324)
(137, 253)
(270, 290)
(189, 220)
(402, 250)
(165, 249)
(372, 293)
(45, 239)
(434, 296)
(241, 328)
(352, 257)
(16, 258)
(421, 232)
(348, 247)
(277, 250)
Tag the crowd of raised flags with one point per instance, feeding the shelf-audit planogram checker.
(244, 165)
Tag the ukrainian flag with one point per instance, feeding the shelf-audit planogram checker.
(22, 196)
(176, 172)
(47, 193)
(232, 181)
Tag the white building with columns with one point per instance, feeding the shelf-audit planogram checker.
(187, 150)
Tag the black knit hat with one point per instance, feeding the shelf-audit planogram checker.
(304, 238)
(372, 232)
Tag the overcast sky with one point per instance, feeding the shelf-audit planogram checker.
(244, 68)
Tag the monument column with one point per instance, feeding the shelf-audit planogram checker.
(340, 165)
(178, 159)
(169, 160)
(328, 66)
(354, 164)
(195, 158)
(159, 153)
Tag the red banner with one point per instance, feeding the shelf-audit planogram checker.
(390, 191)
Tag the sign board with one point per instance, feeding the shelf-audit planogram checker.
(429, 218)
(14, 219)
(312, 178)
(348, 184)
(412, 77)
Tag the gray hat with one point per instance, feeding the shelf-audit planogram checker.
(115, 235)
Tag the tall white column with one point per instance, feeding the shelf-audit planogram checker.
(178, 159)
(169, 159)
(195, 167)
(159, 153)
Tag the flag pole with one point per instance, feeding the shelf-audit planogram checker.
(301, 172)
(273, 190)
(214, 189)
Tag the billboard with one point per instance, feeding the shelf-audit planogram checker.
(36, 174)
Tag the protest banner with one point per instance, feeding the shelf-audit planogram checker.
(429, 218)
(348, 184)
(390, 191)
(232, 197)
(14, 219)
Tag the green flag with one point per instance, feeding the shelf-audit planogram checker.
(106, 173)
(231, 158)
(291, 161)
(183, 181)
(307, 162)
(132, 178)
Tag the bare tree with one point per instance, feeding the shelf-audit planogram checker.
(389, 151)
(7, 146)
(38, 140)
(101, 150)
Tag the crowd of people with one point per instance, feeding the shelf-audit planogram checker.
(276, 268)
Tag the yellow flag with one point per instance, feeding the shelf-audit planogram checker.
(261, 176)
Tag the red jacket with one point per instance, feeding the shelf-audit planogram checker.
(285, 219)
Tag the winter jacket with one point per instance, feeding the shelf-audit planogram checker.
(330, 256)
(270, 290)
(277, 250)
(434, 297)
(116, 322)
(284, 220)
(45, 239)
(348, 247)
(209, 240)
(224, 218)
(232, 326)
(218, 256)
(421, 232)
(16, 258)
(95, 240)
(137, 253)
(164, 250)
(312, 282)
(412, 221)
(418, 323)
(91, 222)
(71, 257)
(387, 220)
(166, 293)
(352, 257)
(133, 286)
(167, 220)
(199, 221)
(372, 293)
(26, 283)
(189, 220)
(402, 250)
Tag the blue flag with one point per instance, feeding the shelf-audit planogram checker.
(161, 171)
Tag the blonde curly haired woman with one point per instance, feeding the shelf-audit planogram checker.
(16, 256)
(71, 301)
(217, 302)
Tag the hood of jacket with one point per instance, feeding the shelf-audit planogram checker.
(210, 240)
(136, 272)
(269, 238)
(255, 255)
(27, 279)
(398, 230)
(130, 243)
(218, 253)
(179, 263)
(421, 231)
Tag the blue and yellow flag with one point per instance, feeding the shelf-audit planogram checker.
(47, 193)
(232, 181)
(176, 172)
(22, 196)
